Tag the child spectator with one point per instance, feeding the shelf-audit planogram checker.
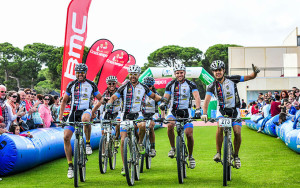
(275, 106)
(15, 129)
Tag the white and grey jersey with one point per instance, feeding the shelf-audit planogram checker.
(132, 97)
(150, 105)
(81, 93)
(181, 94)
(117, 104)
(226, 92)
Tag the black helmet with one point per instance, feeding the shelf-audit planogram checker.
(81, 67)
(217, 64)
(149, 81)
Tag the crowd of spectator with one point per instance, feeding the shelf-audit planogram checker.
(285, 103)
(24, 110)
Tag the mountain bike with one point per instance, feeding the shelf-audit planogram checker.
(227, 160)
(80, 157)
(131, 153)
(107, 149)
(181, 149)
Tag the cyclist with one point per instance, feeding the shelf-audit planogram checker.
(150, 108)
(111, 82)
(180, 91)
(80, 92)
(132, 94)
(224, 88)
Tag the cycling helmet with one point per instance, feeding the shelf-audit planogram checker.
(217, 64)
(81, 67)
(149, 81)
(178, 67)
(134, 69)
(111, 79)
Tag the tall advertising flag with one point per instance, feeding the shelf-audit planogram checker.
(75, 36)
(96, 57)
(112, 66)
(124, 71)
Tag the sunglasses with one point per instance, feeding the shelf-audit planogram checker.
(3, 91)
(111, 84)
(33, 94)
(133, 74)
(28, 93)
(47, 99)
(80, 72)
(14, 96)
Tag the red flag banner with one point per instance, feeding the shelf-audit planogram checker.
(75, 36)
(161, 82)
(112, 66)
(124, 71)
(96, 57)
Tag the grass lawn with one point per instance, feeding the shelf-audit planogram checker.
(266, 162)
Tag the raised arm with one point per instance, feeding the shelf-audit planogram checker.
(253, 74)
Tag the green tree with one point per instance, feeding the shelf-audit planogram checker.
(217, 52)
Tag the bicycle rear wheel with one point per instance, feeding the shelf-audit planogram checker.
(225, 161)
(147, 156)
(83, 159)
(112, 155)
(128, 162)
(179, 159)
(143, 155)
(102, 155)
(76, 162)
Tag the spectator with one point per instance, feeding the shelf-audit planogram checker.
(271, 96)
(275, 106)
(254, 108)
(45, 112)
(244, 105)
(294, 88)
(29, 104)
(260, 95)
(296, 94)
(283, 95)
(38, 122)
(55, 108)
(265, 114)
(260, 103)
(15, 129)
(34, 96)
(276, 93)
(11, 107)
(4, 116)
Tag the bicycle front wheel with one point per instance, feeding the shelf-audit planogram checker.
(179, 159)
(129, 162)
(147, 156)
(112, 155)
(102, 155)
(143, 155)
(230, 158)
(83, 159)
(76, 161)
(225, 160)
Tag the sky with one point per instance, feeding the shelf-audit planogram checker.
(141, 27)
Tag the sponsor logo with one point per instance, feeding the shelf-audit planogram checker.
(101, 54)
(139, 91)
(184, 90)
(114, 63)
(86, 90)
(167, 73)
(159, 82)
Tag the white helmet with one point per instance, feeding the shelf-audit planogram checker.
(217, 64)
(178, 67)
(134, 69)
(111, 79)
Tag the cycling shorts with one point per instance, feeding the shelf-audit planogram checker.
(238, 115)
(185, 113)
(76, 116)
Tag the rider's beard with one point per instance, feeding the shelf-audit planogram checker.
(219, 79)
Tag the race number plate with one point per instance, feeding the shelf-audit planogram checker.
(225, 122)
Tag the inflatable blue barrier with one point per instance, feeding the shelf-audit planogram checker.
(285, 131)
(18, 153)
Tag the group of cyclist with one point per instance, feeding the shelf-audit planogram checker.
(134, 100)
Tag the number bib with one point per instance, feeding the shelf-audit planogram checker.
(225, 122)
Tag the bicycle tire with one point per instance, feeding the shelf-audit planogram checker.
(128, 162)
(185, 155)
(230, 150)
(225, 160)
(112, 155)
(76, 161)
(143, 156)
(147, 156)
(102, 158)
(83, 159)
(179, 159)
(137, 159)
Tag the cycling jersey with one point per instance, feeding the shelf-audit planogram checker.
(81, 94)
(181, 94)
(117, 104)
(150, 105)
(132, 97)
(226, 93)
